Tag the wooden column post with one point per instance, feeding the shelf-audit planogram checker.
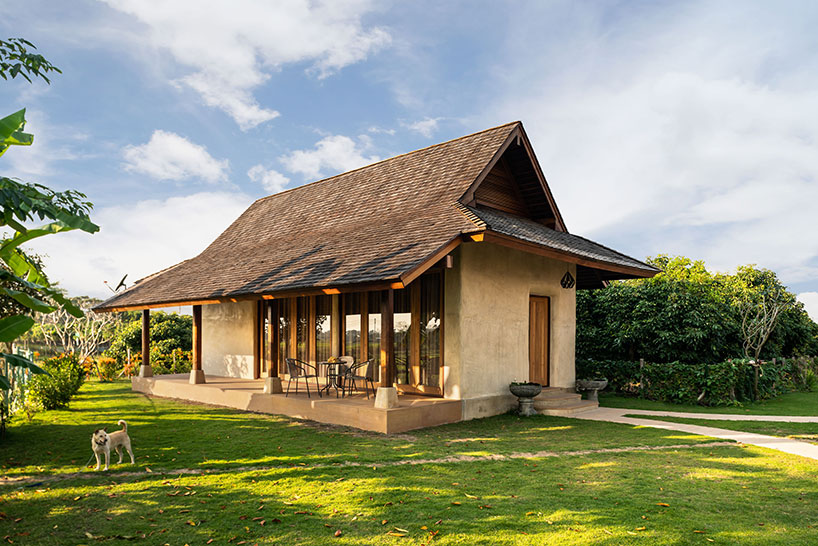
(387, 395)
(272, 382)
(145, 369)
(196, 373)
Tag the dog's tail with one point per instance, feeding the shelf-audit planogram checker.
(123, 424)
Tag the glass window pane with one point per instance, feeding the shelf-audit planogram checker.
(403, 327)
(430, 320)
(323, 331)
(302, 329)
(374, 333)
(352, 326)
(283, 313)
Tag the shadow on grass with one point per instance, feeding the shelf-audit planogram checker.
(567, 500)
(169, 434)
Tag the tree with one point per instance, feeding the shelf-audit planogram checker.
(81, 335)
(22, 203)
(689, 314)
(760, 299)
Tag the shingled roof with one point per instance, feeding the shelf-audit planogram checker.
(383, 223)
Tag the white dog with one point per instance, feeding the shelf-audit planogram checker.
(102, 442)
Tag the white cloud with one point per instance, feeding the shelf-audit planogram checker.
(168, 156)
(685, 130)
(233, 47)
(271, 180)
(810, 301)
(425, 127)
(138, 239)
(332, 154)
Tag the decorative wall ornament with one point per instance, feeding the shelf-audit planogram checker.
(567, 281)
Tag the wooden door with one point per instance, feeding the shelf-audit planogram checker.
(539, 321)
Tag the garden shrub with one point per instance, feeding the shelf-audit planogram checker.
(713, 384)
(108, 368)
(66, 374)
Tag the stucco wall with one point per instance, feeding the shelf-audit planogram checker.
(486, 323)
(227, 339)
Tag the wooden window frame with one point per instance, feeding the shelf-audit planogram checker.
(274, 308)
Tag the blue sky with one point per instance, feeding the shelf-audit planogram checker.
(662, 127)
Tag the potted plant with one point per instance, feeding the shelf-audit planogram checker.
(525, 393)
(592, 387)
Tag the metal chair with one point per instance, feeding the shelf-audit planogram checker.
(360, 372)
(298, 369)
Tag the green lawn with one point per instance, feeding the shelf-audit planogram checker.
(807, 432)
(797, 403)
(271, 480)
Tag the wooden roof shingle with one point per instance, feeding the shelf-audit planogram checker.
(374, 224)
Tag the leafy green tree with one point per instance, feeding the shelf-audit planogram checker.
(689, 314)
(22, 278)
(169, 331)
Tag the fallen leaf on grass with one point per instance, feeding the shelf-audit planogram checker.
(666, 505)
(148, 469)
(456, 503)
(472, 496)
(640, 528)
(399, 530)
(384, 522)
(191, 523)
(338, 533)
(394, 534)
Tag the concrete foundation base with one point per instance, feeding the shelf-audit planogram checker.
(386, 398)
(197, 377)
(145, 371)
(272, 385)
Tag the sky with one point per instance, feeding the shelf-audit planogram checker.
(662, 127)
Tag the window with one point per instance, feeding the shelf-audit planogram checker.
(403, 330)
(373, 335)
(283, 319)
(352, 326)
(430, 320)
(302, 332)
(323, 329)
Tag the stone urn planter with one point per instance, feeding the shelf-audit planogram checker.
(592, 387)
(525, 393)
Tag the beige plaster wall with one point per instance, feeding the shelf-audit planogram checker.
(227, 339)
(486, 323)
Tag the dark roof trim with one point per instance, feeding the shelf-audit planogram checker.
(518, 134)
(535, 248)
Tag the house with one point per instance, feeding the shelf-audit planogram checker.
(450, 267)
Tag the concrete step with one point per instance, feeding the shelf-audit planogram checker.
(554, 392)
(554, 402)
(569, 409)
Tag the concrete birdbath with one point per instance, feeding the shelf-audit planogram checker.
(525, 393)
(592, 387)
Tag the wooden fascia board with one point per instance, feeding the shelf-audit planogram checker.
(118, 309)
(541, 177)
(534, 248)
(435, 257)
(468, 197)
(311, 291)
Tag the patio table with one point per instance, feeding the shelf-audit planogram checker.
(334, 374)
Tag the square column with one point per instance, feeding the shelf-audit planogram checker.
(145, 369)
(196, 373)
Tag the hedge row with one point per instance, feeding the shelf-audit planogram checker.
(722, 383)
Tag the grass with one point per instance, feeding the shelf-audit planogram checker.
(279, 481)
(807, 432)
(797, 403)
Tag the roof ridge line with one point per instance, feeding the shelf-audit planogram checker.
(385, 160)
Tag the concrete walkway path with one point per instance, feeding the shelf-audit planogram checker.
(617, 415)
(724, 416)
